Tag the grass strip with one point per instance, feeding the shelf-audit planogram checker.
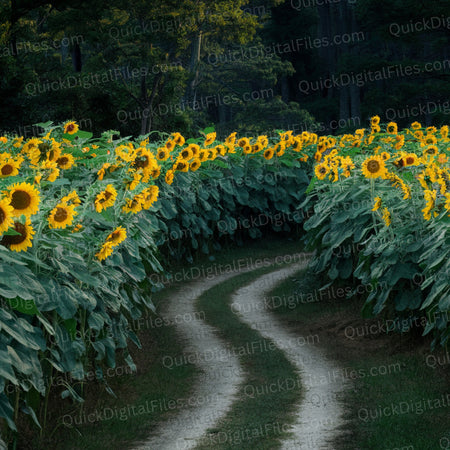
(400, 396)
(263, 410)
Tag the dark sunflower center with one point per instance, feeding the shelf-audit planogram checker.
(7, 169)
(2, 216)
(115, 235)
(20, 200)
(430, 151)
(62, 161)
(60, 215)
(373, 166)
(142, 161)
(17, 238)
(70, 127)
(322, 170)
(409, 160)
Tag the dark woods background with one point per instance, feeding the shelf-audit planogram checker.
(247, 66)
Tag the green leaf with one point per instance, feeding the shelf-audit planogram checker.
(23, 306)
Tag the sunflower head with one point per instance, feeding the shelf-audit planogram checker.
(195, 164)
(70, 128)
(22, 239)
(24, 199)
(373, 167)
(61, 216)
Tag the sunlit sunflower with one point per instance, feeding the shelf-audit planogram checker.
(162, 154)
(386, 216)
(373, 167)
(70, 128)
(377, 204)
(210, 138)
(430, 198)
(170, 145)
(149, 196)
(411, 159)
(242, 142)
(203, 155)
(391, 128)
(169, 177)
(321, 170)
(71, 199)
(444, 131)
(133, 205)
(195, 164)
(181, 166)
(231, 138)
(416, 126)
(221, 149)
(106, 198)
(117, 236)
(105, 251)
(19, 242)
(61, 216)
(6, 215)
(186, 154)
(375, 120)
(24, 198)
(65, 161)
(9, 168)
(178, 139)
(268, 153)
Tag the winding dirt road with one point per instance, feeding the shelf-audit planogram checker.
(319, 413)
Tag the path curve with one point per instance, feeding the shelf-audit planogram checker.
(319, 413)
(222, 372)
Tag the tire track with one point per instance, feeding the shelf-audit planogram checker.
(222, 373)
(319, 413)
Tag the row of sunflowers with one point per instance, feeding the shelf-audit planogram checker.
(86, 226)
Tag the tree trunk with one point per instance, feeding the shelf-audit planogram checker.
(193, 67)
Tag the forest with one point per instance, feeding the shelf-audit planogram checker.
(249, 66)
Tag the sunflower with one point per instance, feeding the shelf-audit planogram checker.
(71, 198)
(444, 131)
(77, 228)
(268, 153)
(221, 150)
(70, 128)
(61, 216)
(391, 128)
(133, 205)
(375, 120)
(106, 198)
(19, 242)
(411, 159)
(65, 161)
(6, 215)
(3, 139)
(9, 168)
(203, 155)
(321, 170)
(170, 145)
(195, 149)
(247, 149)
(385, 156)
(373, 167)
(231, 138)
(416, 125)
(117, 236)
(386, 216)
(186, 154)
(24, 198)
(195, 164)
(430, 198)
(242, 142)
(178, 139)
(377, 204)
(399, 141)
(429, 139)
(162, 154)
(181, 166)
(102, 171)
(210, 138)
(375, 129)
(169, 177)
(105, 251)
(149, 196)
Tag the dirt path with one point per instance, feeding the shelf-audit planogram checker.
(219, 382)
(319, 413)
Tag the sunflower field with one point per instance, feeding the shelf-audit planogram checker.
(89, 227)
